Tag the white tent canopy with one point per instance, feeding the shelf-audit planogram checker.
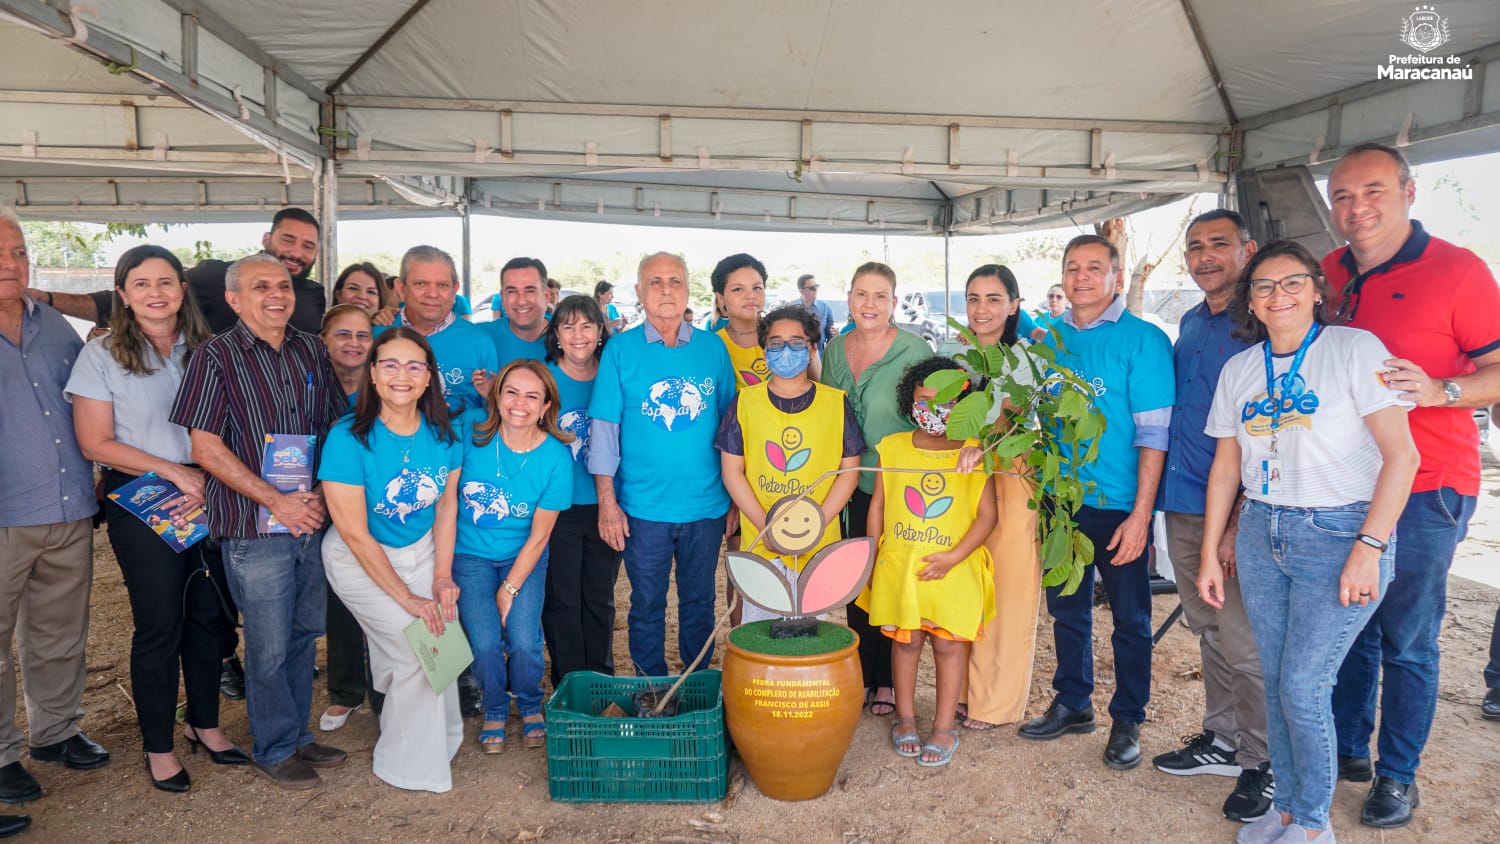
(945, 117)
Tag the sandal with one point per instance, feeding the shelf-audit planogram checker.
(881, 708)
(978, 726)
(944, 754)
(900, 740)
(533, 733)
(492, 741)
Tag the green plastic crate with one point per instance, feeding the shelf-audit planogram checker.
(597, 759)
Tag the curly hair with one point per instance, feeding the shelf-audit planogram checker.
(794, 313)
(917, 373)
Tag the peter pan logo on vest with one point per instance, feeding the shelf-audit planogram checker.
(1424, 30)
(488, 505)
(757, 372)
(788, 455)
(576, 422)
(1298, 404)
(290, 457)
(676, 403)
(926, 501)
(410, 491)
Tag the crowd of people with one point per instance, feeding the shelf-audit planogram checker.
(1308, 437)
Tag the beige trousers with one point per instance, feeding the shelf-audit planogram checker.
(1000, 662)
(45, 575)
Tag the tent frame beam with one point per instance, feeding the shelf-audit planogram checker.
(781, 115)
(209, 21)
(141, 63)
(380, 42)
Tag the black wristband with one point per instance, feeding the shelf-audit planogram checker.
(1373, 542)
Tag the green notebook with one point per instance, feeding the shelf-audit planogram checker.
(442, 657)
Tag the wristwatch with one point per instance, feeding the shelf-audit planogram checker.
(1452, 390)
(1373, 542)
(514, 590)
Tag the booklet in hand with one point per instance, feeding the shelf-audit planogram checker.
(443, 657)
(152, 499)
(287, 465)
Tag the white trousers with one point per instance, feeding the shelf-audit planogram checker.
(420, 732)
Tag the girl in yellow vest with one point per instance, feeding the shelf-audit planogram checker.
(780, 436)
(739, 284)
(933, 579)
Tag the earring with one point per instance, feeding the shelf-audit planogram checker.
(1317, 302)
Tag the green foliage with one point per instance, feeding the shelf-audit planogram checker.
(204, 250)
(1039, 411)
(58, 243)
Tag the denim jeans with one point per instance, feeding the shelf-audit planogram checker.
(1492, 671)
(278, 583)
(1403, 639)
(1290, 560)
(509, 655)
(649, 554)
(1129, 589)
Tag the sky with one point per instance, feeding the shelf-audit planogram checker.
(1455, 200)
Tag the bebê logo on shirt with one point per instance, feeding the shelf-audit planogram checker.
(676, 403)
(409, 491)
(1298, 404)
(576, 422)
(488, 505)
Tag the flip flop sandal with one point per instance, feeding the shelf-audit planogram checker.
(534, 734)
(882, 708)
(900, 739)
(944, 754)
(487, 743)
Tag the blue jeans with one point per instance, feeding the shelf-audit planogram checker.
(278, 583)
(1290, 560)
(1403, 638)
(649, 553)
(509, 655)
(1129, 589)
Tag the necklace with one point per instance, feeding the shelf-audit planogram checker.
(730, 329)
(500, 470)
(404, 443)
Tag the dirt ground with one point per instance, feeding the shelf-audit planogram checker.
(998, 788)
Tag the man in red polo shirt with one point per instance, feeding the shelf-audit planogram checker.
(1437, 308)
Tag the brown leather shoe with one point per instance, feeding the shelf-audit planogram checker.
(321, 755)
(290, 773)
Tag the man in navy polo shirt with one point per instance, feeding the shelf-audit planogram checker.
(1233, 741)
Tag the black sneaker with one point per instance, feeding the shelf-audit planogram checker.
(1252, 794)
(232, 679)
(1199, 755)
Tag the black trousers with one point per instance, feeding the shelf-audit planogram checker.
(874, 646)
(179, 620)
(578, 616)
(349, 680)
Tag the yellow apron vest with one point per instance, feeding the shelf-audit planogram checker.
(784, 452)
(749, 364)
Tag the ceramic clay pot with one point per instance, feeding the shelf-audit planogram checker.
(792, 717)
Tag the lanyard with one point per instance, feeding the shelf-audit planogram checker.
(1287, 379)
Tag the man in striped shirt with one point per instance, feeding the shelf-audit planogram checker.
(265, 377)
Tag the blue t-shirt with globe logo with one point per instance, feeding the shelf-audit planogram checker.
(573, 417)
(668, 403)
(460, 349)
(500, 491)
(403, 477)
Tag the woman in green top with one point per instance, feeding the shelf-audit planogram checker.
(867, 364)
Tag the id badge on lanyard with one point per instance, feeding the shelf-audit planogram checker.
(1271, 470)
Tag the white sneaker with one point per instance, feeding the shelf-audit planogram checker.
(1264, 830)
(1298, 834)
(329, 722)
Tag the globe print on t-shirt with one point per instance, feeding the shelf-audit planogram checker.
(676, 403)
(409, 491)
(487, 505)
(576, 422)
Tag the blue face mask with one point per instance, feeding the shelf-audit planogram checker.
(788, 361)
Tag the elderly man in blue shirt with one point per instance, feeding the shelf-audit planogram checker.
(46, 534)
(1233, 741)
(661, 390)
(1127, 363)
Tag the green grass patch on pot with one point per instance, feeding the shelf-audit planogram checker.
(756, 637)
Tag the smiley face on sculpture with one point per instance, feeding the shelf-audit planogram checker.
(794, 525)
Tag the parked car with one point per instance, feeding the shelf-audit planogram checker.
(923, 313)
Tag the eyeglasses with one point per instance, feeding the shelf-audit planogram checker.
(795, 345)
(812, 287)
(1262, 288)
(362, 336)
(1051, 296)
(390, 367)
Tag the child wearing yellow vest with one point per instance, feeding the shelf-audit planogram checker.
(781, 436)
(932, 580)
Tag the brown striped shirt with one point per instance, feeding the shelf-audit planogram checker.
(240, 388)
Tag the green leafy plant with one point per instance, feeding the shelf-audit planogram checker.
(1033, 409)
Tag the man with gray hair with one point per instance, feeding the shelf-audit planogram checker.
(662, 388)
(428, 285)
(256, 399)
(46, 548)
